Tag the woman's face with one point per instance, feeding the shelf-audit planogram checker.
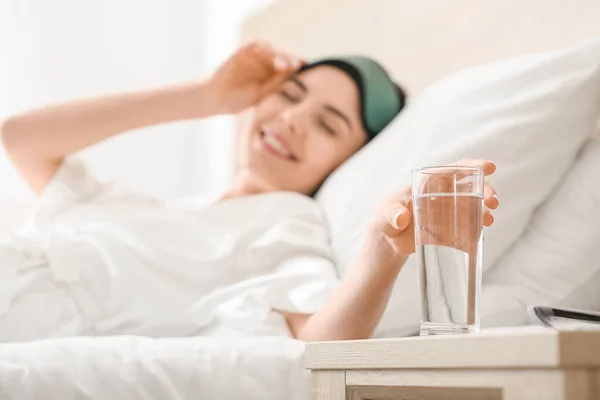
(296, 136)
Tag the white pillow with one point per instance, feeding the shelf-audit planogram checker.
(530, 115)
(557, 260)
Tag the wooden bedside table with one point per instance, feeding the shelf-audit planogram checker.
(521, 364)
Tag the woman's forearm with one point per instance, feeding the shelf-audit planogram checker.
(38, 140)
(56, 131)
(356, 306)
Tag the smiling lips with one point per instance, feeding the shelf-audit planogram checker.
(276, 145)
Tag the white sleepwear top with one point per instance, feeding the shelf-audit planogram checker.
(135, 264)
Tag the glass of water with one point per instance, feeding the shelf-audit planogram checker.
(448, 217)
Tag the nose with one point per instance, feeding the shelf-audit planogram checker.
(296, 118)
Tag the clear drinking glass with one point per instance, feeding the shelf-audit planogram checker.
(448, 215)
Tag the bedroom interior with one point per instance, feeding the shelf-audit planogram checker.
(516, 82)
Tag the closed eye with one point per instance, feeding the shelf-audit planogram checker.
(290, 96)
(327, 127)
(293, 90)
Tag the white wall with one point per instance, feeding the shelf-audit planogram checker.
(12, 92)
(74, 48)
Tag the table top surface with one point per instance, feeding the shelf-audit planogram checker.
(525, 347)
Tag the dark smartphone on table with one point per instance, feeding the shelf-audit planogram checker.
(564, 318)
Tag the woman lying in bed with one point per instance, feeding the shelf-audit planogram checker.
(97, 259)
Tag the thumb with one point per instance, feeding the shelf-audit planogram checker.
(393, 219)
(399, 218)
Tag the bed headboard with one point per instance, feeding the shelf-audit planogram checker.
(421, 41)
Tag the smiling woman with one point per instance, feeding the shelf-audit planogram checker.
(100, 259)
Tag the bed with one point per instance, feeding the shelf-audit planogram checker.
(418, 41)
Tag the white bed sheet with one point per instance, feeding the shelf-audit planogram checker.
(136, 368)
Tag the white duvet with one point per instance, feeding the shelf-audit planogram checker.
(139, 368)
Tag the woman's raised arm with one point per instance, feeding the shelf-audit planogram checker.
(38, 140)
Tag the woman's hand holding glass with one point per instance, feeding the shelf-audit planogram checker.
(394, 217)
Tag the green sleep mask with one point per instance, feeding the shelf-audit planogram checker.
(380, 98)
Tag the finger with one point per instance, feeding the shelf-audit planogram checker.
(280, 63)
(488, 219)
(396, 221)
(457, 168)
(260, 46)
(445, 179)
(279, 60)
(396, 213)
(284, 68)
(295, 61)
(487, 166)
(286, 62)
(490, 198)
(269, 56)
(251, 45)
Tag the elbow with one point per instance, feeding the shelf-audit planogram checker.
(299, 327)
(308, 333)
(10, 133)
(308, 329)
(17, 138)
(307, 336)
